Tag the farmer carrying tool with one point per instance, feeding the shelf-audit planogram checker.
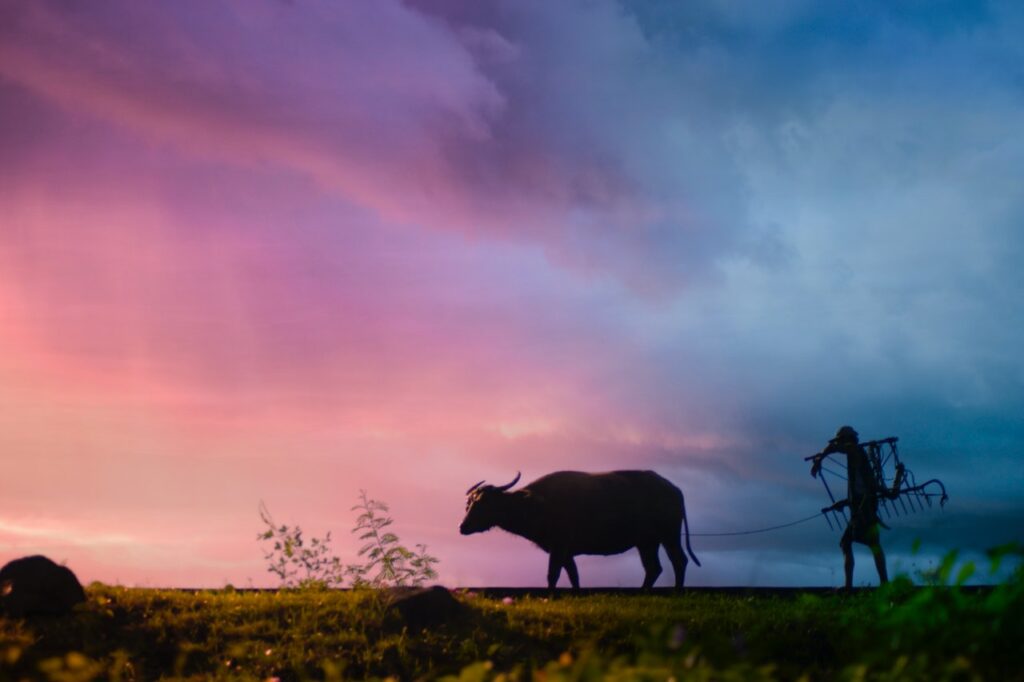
(862, 499)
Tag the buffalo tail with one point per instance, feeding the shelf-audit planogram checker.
(686, 527)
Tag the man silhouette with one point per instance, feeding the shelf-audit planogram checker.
(861, 497)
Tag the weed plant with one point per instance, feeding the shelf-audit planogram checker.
(313, 564)
(387, 562)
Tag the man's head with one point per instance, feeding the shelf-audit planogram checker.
(846, 434)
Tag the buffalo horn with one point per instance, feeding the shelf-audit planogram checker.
(509, 485)
(475, 486)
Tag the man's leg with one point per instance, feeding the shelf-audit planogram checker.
(846, 544)
(876, 550)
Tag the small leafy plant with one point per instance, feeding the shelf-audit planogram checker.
(386, 562)
(298, 563)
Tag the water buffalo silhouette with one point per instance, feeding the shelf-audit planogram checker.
(568, 513)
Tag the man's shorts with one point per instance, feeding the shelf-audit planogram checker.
(864, 521)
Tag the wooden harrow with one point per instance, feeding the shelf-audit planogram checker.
(896, 486)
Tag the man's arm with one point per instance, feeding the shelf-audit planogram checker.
(835, 507)
(817, 459)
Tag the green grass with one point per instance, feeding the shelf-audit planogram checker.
(900, 632)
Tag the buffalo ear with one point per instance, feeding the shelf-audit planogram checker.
(528, 496)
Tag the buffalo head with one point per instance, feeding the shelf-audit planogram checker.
(484, 506)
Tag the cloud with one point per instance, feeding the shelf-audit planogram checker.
(587, 150)
(33, 531)
(338, 93)
(617, 155)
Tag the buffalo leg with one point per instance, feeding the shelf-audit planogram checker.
(554, 569)
(652, 565)
(574, 575)
(678, 558)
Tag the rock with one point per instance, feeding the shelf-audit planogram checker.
(35, 585)
(421, 607)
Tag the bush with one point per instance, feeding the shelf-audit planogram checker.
(387, 562)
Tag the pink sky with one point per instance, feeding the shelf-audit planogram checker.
(231, 276)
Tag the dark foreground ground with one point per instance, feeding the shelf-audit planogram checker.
(756, 592)
(898, 633)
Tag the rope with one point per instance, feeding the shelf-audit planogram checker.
(834, 473)
(759, 530)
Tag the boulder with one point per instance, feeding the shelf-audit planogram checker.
(421, 607)
(35, 585)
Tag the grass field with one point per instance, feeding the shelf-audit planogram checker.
(900, 632)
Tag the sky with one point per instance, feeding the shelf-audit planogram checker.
(284, 251)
